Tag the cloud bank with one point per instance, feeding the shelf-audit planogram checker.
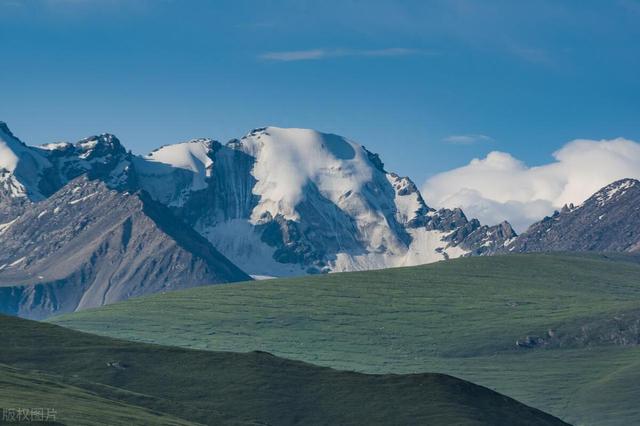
(501, 187)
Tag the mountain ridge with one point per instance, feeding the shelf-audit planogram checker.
(276, 202)
(281, 202)
(65, 253)
(608, 221)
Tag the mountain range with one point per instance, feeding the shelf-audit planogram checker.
(90, 223)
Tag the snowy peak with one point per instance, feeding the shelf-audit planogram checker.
(11, 150)
(412, 211)
(58, 148)
(194, 155)
(614, 192)
(100, 157)
(289, 160)
(173, 172)
(21, 167)
(99, 146)
(283, 201)
(91, 148)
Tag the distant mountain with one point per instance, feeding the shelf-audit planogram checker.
(609, 221)
(88, 245)
(31, 174)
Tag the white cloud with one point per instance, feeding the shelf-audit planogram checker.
(315, 54)
(295, 55)
(501, 187)
(467, 139)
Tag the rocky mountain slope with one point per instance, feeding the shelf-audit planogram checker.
(609, 221)
(88, 245)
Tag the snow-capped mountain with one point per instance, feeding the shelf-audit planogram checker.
(609, 221)
(76, 231)
(293, 201)
(275, 202)
(99, 157)
(31, 174)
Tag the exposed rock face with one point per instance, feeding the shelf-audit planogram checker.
(483, 239)
(609, 221)
(11, 207)
(98, 157)
(88, 245)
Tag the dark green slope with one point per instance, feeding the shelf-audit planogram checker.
(575, 317)
(61, 402)
(218, 388)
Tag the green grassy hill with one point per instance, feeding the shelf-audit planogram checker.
(63, 403)
(97, 380)
(575, 318)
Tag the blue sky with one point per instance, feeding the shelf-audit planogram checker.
(427, 84)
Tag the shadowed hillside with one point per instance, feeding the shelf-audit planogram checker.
(147, 384)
